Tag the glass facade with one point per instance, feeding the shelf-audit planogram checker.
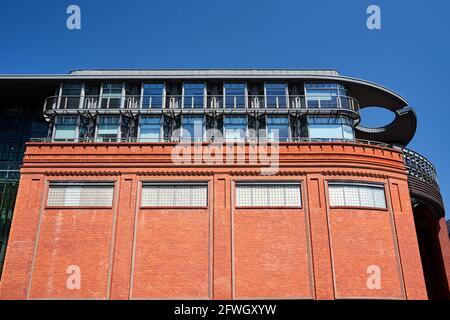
(276, 95)
(235, 98)
(153, 95)
(17, 126)
(323, 95)
(278, 128)
(150, 128)
(65, 128)
(235, 95)
(330, 128)
(111, 96)
(193, 128)
(235, 128)
(194, 95)
(108, 129)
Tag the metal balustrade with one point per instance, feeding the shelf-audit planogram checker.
(418, 166)
(215, 102)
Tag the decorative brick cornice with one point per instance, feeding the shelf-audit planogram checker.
(82, 173)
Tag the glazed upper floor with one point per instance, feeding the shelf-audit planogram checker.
(257, 91)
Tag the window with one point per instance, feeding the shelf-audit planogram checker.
(277, 128)
(153, 95)
(339, 128)
(111, 95)
(325, 95)
(65, 128)
(108, 128)
(357, 195)
(194, 95)
(193, 128)
(268, 195)
(88, 194)
(234, 128)
(70, 95)
(235, 95)
(276, 94)
(174, 195)
(150, 128)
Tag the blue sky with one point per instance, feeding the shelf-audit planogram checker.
(410, 54)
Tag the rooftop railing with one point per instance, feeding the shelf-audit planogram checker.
(178, 102)
(420, 167)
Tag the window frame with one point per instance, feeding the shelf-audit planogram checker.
(161, 131)
(77, 131)
(286, 95)
(370, 184)
(106, 183)
(266, 182)
(192, 139)
(164, 95)
(206, 184)
(183, 94)
(225, 94)
(289, 137)
(119, 133)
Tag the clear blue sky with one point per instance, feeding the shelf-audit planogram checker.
(410, 54)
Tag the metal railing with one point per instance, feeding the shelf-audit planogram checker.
(139, 102)
(420, 167)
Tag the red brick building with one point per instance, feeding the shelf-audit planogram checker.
(283, 201)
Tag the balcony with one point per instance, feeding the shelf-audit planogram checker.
(422, 180)
(192, 104)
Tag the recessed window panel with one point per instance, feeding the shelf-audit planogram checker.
(174, 195)
(235, 95)
(276, 95)
(153, 95)
(325, 95)
(235, 128)
(70, 95)
(357, 195)
(268, 195)
(330, 128)
(112, 95)
(277, 128)
(65, 128)
(193, 128)
(194, 95)
(108, 128)
(80, 194)
(150, 128)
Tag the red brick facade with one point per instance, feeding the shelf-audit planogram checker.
(216, 252)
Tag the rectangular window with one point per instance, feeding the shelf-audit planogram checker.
(70, 95)
(153, 95)
(86, 194)
(174, 195)
(268, 195)
(112, 95)
(325, 95)
(193, 128)
(65, 128)
(194, 95)
(357, 195)
(150, 128)
(234, 128)
(331, 128)
(108, 128)
(276, 94)
(235, 95)
(277, 128)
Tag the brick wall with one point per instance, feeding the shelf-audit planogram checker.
(218, 252)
